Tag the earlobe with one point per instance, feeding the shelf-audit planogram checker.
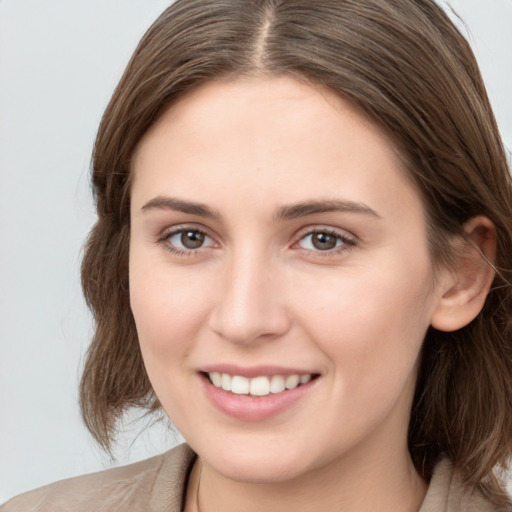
(465, 287)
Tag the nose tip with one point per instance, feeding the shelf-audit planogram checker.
(250, 308)
(243, 323)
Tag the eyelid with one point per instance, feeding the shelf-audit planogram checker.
(165, 236)
(349, 240)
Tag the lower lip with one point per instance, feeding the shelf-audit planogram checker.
(254, 408)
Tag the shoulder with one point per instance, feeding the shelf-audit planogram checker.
(447, 493)
(151, 484)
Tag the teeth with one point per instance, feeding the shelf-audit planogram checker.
(277, 384)
(216, 378)
(258, 386)
(225, 382)
(239, 385)
(292, 381)
(304, 379)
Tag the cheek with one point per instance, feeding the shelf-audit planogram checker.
(169, 307)
(370, 322)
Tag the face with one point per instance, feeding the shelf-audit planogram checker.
(279, 277)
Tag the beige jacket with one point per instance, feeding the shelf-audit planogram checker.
(158, 485)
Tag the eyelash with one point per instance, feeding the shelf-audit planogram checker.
(166, 238)
(347, 242)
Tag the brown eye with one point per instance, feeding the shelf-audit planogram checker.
(192, 239)
(185, 240)
(324, 241)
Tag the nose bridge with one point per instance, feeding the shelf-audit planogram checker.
(249, 305)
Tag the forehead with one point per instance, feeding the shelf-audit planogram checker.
(278, 137)
(259, 103)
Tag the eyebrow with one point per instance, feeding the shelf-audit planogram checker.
(298, 210)
(179, 205)
(287, 212)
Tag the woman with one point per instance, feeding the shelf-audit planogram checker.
(303, 255)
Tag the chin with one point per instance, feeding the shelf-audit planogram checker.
(259, 471)
(255, 464)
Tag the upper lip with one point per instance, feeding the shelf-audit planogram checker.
(255, 371)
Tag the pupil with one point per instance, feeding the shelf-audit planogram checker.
(192, 239)
(323, 241)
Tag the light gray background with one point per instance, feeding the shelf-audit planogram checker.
(59, 62)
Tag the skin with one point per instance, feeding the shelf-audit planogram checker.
(258, 292)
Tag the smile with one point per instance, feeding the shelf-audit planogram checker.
(260, 394)
(257, 386)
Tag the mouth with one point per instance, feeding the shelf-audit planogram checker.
(257, 393)
(259, 386)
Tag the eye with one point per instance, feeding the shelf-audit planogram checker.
(324, 240)
(187, 240)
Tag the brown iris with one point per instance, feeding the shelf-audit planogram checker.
(323, 241)
(192, 239)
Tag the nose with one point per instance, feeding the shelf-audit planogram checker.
(249, 305)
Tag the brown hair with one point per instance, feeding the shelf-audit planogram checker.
(406, 65)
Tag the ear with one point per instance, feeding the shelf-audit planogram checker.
(465, 287)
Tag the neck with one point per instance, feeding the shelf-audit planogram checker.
(380, 483)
